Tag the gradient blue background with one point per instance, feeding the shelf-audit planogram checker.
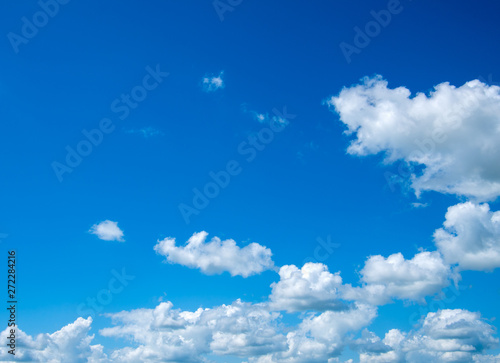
(273, 54)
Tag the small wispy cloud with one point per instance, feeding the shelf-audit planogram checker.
(146, 132)
(264, 118)
(212, 83)
(261, 117)
(108, 231)
(419, 205)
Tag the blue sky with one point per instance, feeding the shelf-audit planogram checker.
(219, 79)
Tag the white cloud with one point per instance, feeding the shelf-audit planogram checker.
(217, 256)
(312, 287)
(213, 83)
(396, 278)
(70, 344)
(445, 336)
(321, 338)
(108, 231)
(419, 205)
(374, 350)
(483, 358)
(241, 329)
(256, 333)
(166, 334)
(470, 237)
(454, 133)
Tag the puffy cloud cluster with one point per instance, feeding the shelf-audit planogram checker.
(445, 336)
(167, 334)
(70, 344)
(337, 312)
(240, 329)
(470, 237)
(254, 332)
(312, 287)
(396, 278)
(321, 338)
(249, 331)
(217, 256)
(453, 133)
